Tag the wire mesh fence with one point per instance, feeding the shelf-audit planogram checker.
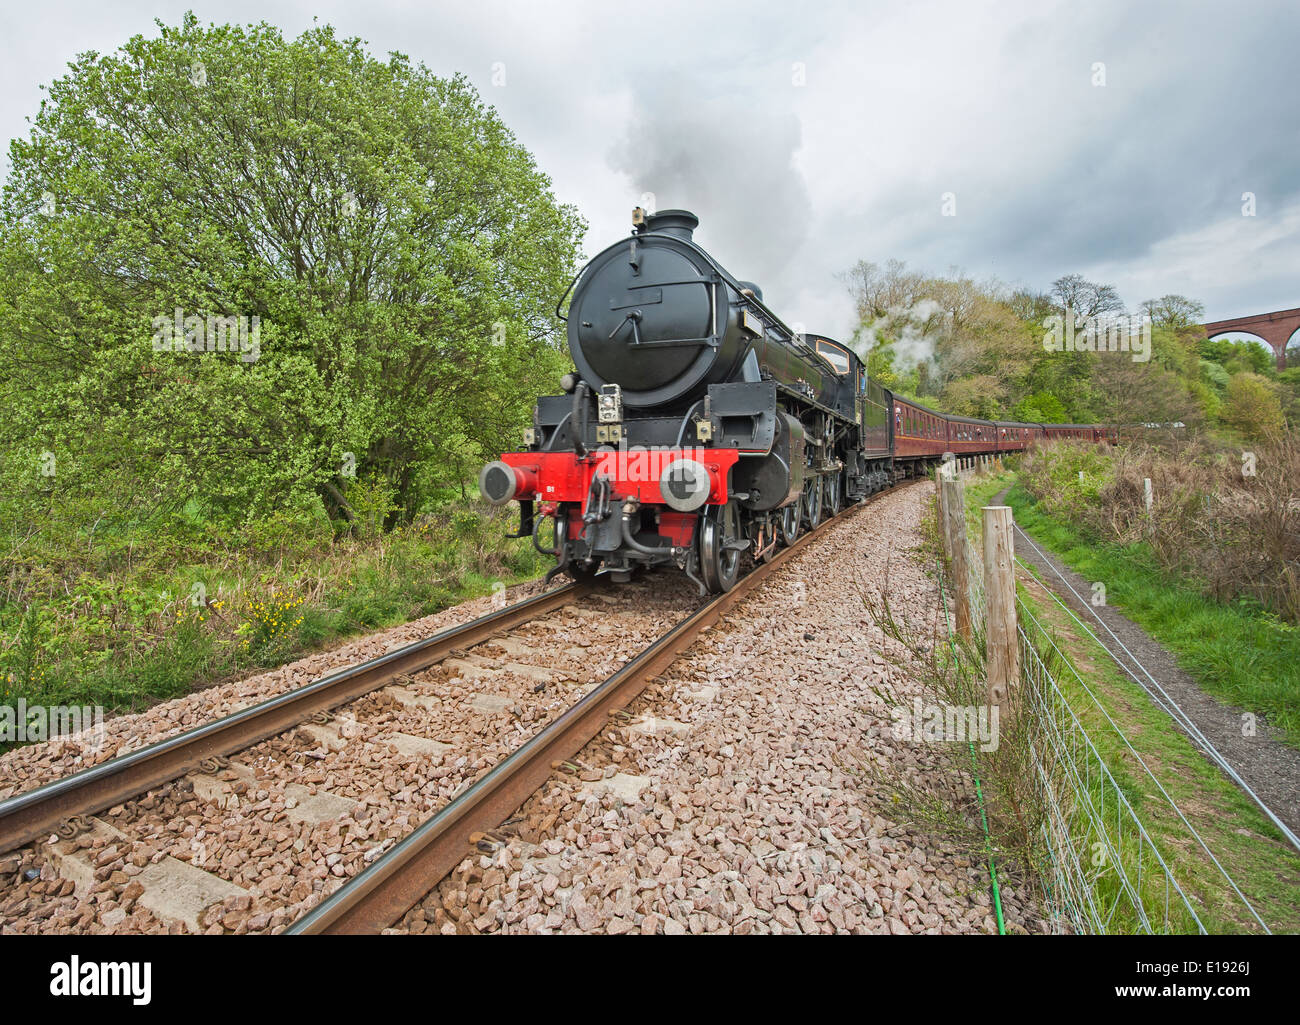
(1101, 866)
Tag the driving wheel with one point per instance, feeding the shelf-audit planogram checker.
(720, 547)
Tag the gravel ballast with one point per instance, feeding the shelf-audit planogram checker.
(740, 796)
(735, 801)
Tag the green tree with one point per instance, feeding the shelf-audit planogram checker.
(1214, 374)
(1041, 407)
(1169, 350)
(400, 251)
(972, 396)
(985, 354)
(1174, 311)
(1289, 383)
(1239, 355)
(880, 364)
(1252, 406)
(1086, 298)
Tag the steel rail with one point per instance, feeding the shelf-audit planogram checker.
(40, 812)
(376, 897)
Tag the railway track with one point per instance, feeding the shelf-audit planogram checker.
(379, 894)
(374, 899)
(48, 809)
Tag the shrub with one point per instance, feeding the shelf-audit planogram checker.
(1225, 520)
(1252, 407)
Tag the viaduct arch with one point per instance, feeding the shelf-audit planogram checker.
(1274, 328)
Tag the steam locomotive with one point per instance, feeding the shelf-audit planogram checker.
(699, 430)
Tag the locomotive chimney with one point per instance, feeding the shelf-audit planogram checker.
(673, 222)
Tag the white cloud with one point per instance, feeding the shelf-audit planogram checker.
(1237, 265)
(1134, 183)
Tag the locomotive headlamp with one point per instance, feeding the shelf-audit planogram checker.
(611, 404)
(685, 484)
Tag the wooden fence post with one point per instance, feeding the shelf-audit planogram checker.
(940, 475)
(943, 474)
(954, 502)
(1002, 648)
(1147, 497)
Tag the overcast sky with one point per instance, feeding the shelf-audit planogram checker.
(809, 136)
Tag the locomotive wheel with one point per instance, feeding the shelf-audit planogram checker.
(831, 502)
(581, 574)
(789, 528)
(771, 534)
(812, 499)
(719, 564)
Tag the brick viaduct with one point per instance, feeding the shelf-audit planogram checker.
(1274, 328)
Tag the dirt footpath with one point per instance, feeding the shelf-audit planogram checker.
(1269, 767)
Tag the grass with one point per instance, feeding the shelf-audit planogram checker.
(1236, 652)
(1249, 847)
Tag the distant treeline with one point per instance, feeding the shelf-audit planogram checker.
(981, 349)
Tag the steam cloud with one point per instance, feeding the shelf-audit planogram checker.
(916, 330)
(730, 162)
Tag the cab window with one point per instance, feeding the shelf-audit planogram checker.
(833, 355)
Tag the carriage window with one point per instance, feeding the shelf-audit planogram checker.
(834, 355)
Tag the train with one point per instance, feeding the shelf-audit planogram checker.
(698, 430)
